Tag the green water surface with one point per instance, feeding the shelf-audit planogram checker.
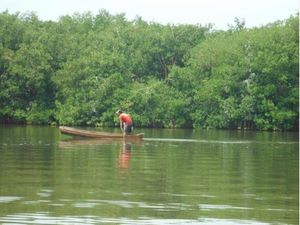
(172, 177)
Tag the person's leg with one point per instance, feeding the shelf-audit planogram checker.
(128, 129)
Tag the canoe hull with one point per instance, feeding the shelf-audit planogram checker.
(97, 134)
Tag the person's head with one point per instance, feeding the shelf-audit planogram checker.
(119, 112)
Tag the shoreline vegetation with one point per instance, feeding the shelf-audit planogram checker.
(79, 70)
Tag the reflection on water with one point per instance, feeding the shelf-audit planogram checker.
(8, 199)
(84, 142)
(124, 155)
(172, 177)
(45, 218)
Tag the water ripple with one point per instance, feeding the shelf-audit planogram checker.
(218, 141)
(45, 218)
(8, 199)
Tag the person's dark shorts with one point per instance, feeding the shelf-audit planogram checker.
(128, 128)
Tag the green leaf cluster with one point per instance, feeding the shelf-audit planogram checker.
(82, 68)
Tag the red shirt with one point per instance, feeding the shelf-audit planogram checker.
(125, 118)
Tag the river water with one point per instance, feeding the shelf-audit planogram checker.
(172, 177)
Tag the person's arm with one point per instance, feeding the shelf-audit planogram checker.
(121, 124)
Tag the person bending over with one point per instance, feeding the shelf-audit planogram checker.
(126, 123)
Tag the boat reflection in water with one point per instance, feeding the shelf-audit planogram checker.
(123, 156)
(76, 142)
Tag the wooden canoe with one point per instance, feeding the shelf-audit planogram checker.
(97, 134)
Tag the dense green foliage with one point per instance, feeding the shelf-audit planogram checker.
(81, 69)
